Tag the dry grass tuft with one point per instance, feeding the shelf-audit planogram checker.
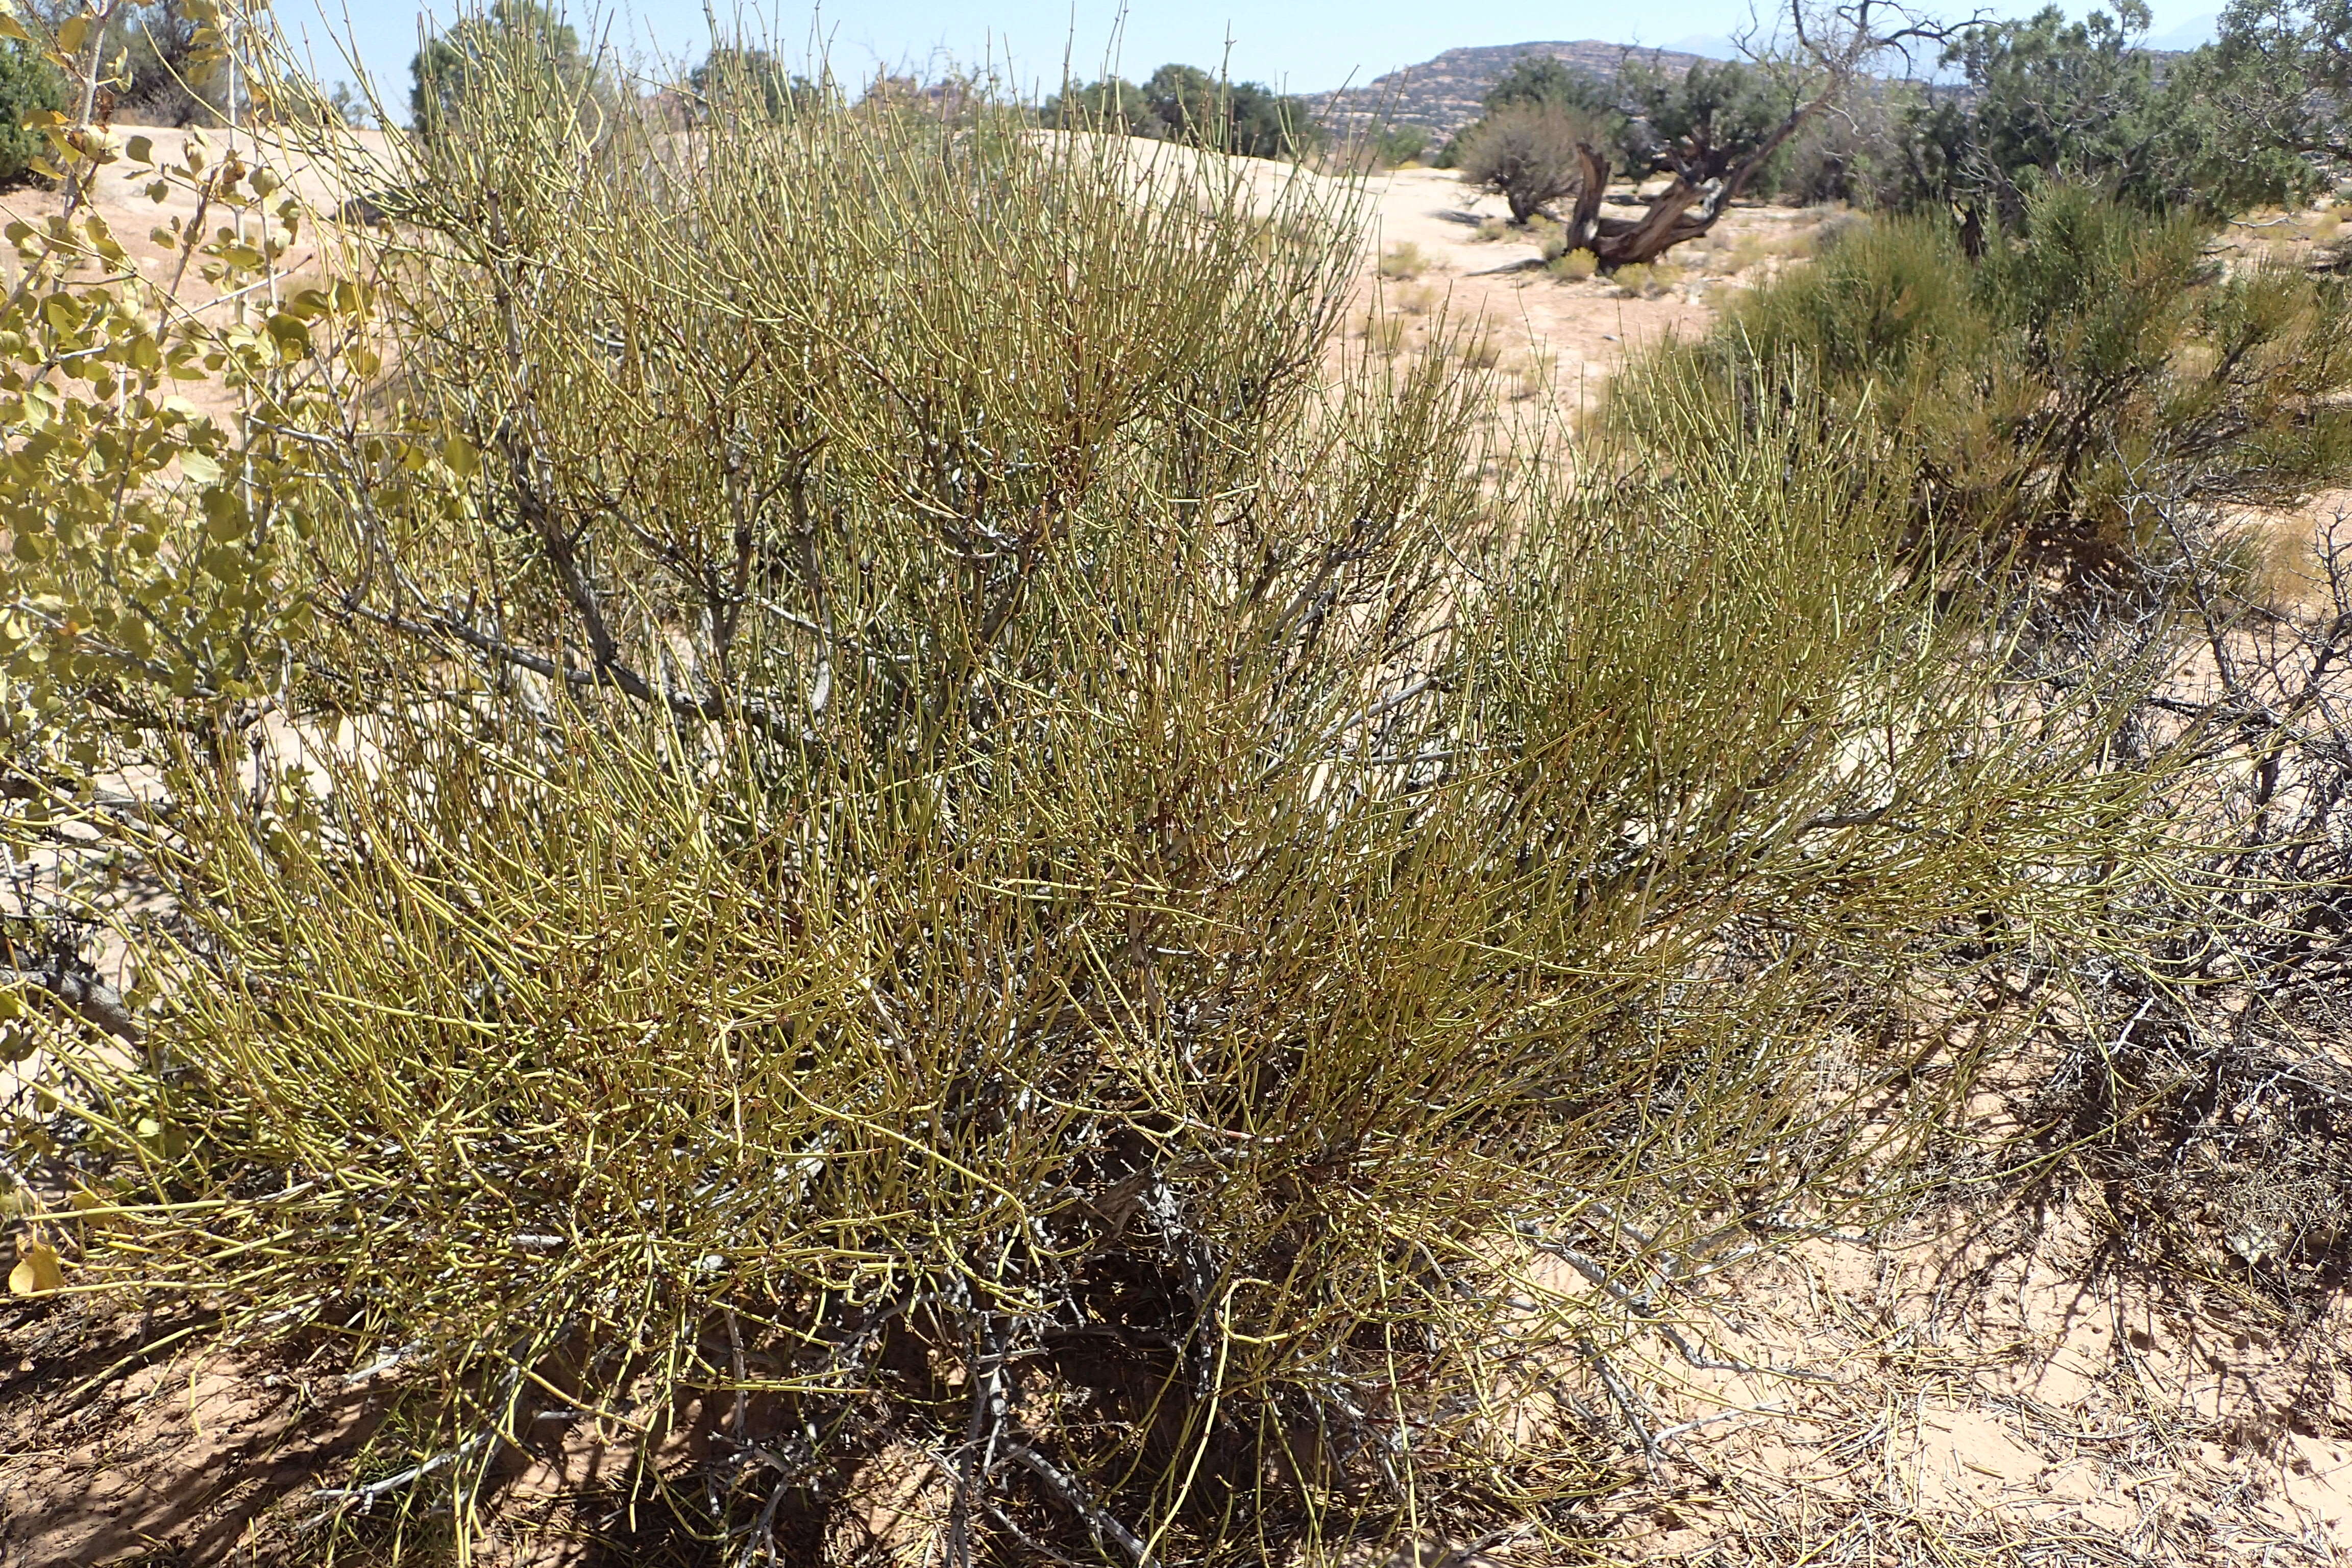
(1575, 266)
(1403, 262)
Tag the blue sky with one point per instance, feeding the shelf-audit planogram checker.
(1303, 44)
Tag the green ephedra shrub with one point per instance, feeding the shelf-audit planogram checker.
(936, 842)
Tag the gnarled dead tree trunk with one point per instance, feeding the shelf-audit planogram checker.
(1710, 155)
(1706, 180)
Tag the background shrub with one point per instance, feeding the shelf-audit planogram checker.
(1393, 146)
(2048, 100)
(1186, 103)
(486, 56)
(27, 85)
(153, 67)
(165, 76)
(1531, 154)
(2048, 387)
(733, 79)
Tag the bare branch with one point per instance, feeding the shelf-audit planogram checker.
(90, 999)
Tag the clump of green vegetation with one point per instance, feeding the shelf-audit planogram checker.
(1186, 103)
(749, 82)
(2049, 388)
(29, 86)
(2215, 132)
(483, 57)
(2257, 117)
(149, 62)
(1552, 134)
(1394, 146)
(1574, 266)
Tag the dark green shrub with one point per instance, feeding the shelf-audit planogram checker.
(1112, 103)
(27, 85)
(1186, 103)
(1856, 156)
(749, 82)
(2278, 73)
(1708, 119)
(1535, 83)
(2049, 100)
(1243, 117)
(1716, 129)
(2047, 389)
(1546, 78)
(1395, 145)
(514, 48)
(155, 65)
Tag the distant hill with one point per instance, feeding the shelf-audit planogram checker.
(1442, 94)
